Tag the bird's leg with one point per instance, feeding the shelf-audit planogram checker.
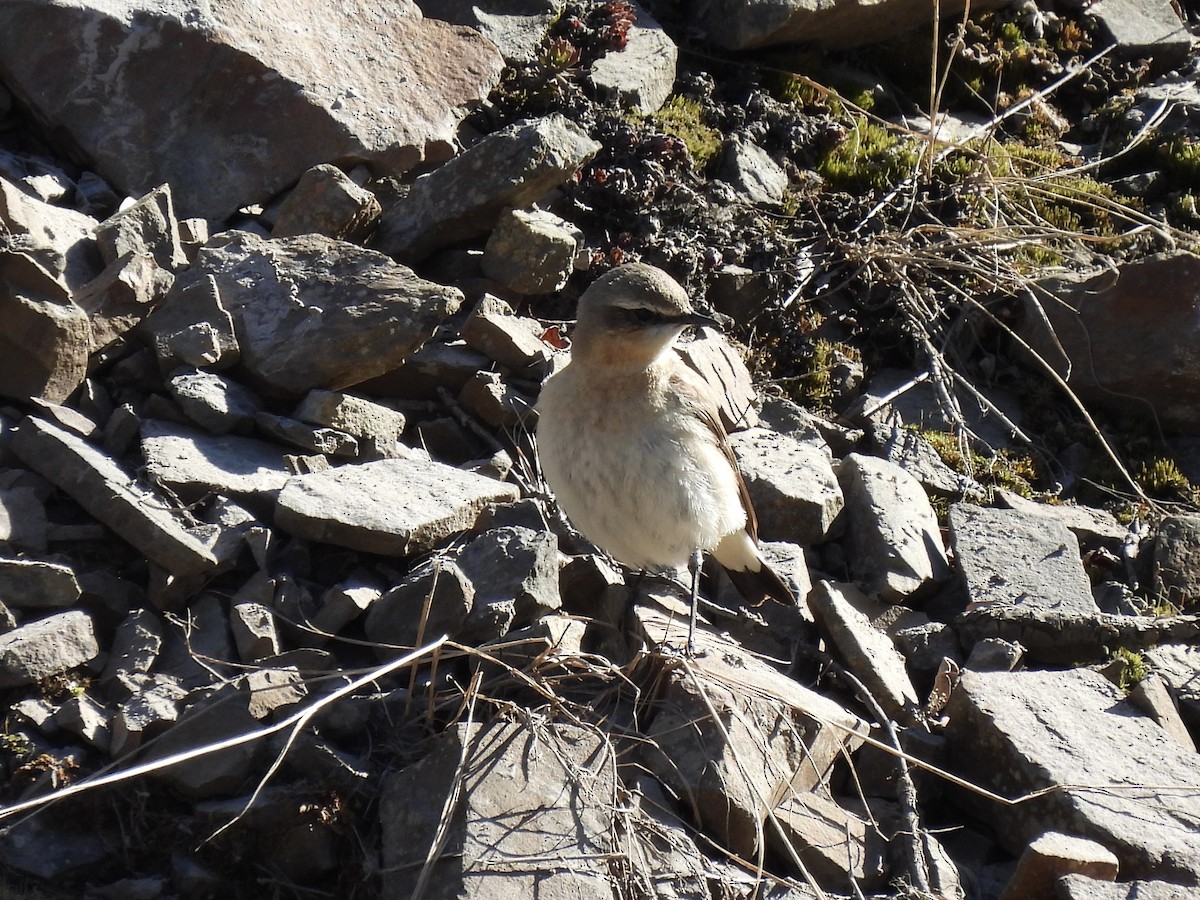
(696, 564)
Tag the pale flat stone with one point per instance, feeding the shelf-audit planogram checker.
(390, 506)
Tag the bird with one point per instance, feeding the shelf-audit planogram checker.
(631, 443)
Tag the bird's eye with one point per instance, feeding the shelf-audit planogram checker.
(644, 316)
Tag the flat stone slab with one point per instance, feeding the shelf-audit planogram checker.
(101, 486)
(47, 647)
(390, 506)
(1123, 781)
(1012, 558)
(188, 458)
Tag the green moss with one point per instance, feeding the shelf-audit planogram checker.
(1008, 469)
(683, 117)
(1181, 160)
(870, 157)
(1134, 670)
(1161, 477)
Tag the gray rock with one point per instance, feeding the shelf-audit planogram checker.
(192, 327)
(511, 340)
(786, 417)
(46, 338)
(122, 296)
(253, 628)
(1052, 855)
(746, 24)
(34, 584)
(150, 709)
(279, 76)
(1151, 696)
(642, 74)
(513, 167)
(344, 602)
(311, 312)
(47, 647)
(1177, 665)
(328, 441)
(1017, 732)
(994, 655)
(196, 463)
(214, 402)
(23, 519)
(1081, 887)
(84, 717)
(432, 367)
(58, 240)
(210, 720)
(325, 201)
(751, 170)
(98, 484)
(377, 427)
(516, 27)
(493, 400)
(391, 506)
(502, 792)
(274, 689)
(913, 453)
(775, 737)
(531, 251)
(892, 535)
(510, 567)
(135, 646)
(1093, 527)
(147, 227)
(433, 600)
(1127, 340)
(792, 485)
(1177, 559)
(835, 845)
(1144, 29)
(866, 651)
(54, 847)
(1010, 558)
(925, 647)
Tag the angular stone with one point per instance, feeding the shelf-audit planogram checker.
(1014, 559)
(1144, 29)
(33, 584)
(192, 327)
(54, 848)
(214, 402)
(433, 600)
(325, 201)
(377, 427)
(1151, 696)
(23, 519)
(135, 646)
(513, 167)
(58, 240)
(833, 843)
(196, 463)
(147, 713)
(274, 689)
(312, 82)
(892, 536)
(1127, 340)
(750, 169)
(1093, 527)
(328, 441)
(511, 340)
(432, 367)
(1019, 732)
(208, 721)
(47, 647)
(46, 338)
(642, 74)
(503, 792)
(1177, 560)
(390, 506)
(148, 226)
(311, 312)
(531, 251)
(122, 295)
(866, 651)
(494, 401)
(83, 716)
(254, 631)
(746, 24)
(1052, 855)
(516, 27)
(1081, 887)
(775, 736)
(511, 566)
(98, 484)
(346, 601)
(915, 455)
(792, 486)
(1177, 665)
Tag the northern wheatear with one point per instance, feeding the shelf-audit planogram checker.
(632, 445)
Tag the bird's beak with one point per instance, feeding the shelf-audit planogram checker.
(700, 319)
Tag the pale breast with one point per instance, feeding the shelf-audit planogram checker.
(634, 471)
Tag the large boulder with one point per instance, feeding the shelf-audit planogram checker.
(230, 101)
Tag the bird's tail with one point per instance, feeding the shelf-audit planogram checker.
(754, 579)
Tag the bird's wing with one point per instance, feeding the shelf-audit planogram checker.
(697, 401)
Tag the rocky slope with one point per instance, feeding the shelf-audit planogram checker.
(285, 608)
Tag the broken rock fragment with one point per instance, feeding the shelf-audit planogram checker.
(390, 506)
(312, 312)
(47, 647)
(325, 201)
